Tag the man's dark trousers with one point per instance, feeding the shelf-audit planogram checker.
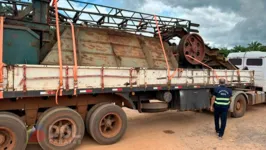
(220, 112)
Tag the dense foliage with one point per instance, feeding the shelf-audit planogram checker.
(253, 46)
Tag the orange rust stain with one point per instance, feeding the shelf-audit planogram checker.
(97, 47)
(134, 62)
(157, 55)
(91, 59)
(98, 60)
(95, 36)
(66, 34)
(84, 56)
(66, 44)
(154, 45)
(130, 41)
(68, 58)
(128, 51)
(161, 64)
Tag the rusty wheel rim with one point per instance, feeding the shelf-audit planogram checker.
(238, 105)
(62, 132)
(192, 45)
(110, 125)
(7, 139)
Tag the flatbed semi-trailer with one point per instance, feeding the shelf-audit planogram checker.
(66, 74)
(95, 102)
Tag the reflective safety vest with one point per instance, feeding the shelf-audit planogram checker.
(222, 101)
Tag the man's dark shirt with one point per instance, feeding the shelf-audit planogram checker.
(222, 92)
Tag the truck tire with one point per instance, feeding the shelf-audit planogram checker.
(13, 132)
(154, 107)
(88, 116)
(240, 105)
(64, 125)
(108, 124)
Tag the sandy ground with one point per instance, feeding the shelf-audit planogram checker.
(186, 131)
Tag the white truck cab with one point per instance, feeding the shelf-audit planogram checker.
(256, 61)
(253, 60)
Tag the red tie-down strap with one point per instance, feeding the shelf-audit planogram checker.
(60, 88)
(1, 55)
(214, 72)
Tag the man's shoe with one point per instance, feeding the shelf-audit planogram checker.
(217, 132)
(220, 138)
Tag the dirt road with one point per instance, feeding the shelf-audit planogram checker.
(187, 131)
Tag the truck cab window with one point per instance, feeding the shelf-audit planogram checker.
(254, 62)
(236, 61)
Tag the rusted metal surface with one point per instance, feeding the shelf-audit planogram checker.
(82, 110)
(62, 132)
(112, 48)
(31, 111)
(103, 47)
(7, 138)
(110, 125)
(212, 55)
(126, 51)
(192, 45)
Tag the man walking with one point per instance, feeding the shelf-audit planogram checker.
(220, 103)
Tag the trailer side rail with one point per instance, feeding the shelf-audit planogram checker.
(41, 80)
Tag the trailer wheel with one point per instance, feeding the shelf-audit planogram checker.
(13, 132)
(88, 116)
(108, 124)
(239, 106)
(60, 128)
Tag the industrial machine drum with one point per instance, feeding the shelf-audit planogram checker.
(192, 45)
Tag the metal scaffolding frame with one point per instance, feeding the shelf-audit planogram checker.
(89, 14)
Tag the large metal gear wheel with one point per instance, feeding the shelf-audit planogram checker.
(192, 45)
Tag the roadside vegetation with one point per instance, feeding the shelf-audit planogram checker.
(253, 46)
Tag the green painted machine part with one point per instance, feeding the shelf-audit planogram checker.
(21, 45)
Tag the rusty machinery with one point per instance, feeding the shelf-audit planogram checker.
(39, 17)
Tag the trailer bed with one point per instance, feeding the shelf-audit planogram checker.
(41, 80)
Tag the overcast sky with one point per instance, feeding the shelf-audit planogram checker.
(223, 23)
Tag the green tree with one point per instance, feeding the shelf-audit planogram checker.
(224, 51)
(263, 48)
(254, 46)
(239, 48)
